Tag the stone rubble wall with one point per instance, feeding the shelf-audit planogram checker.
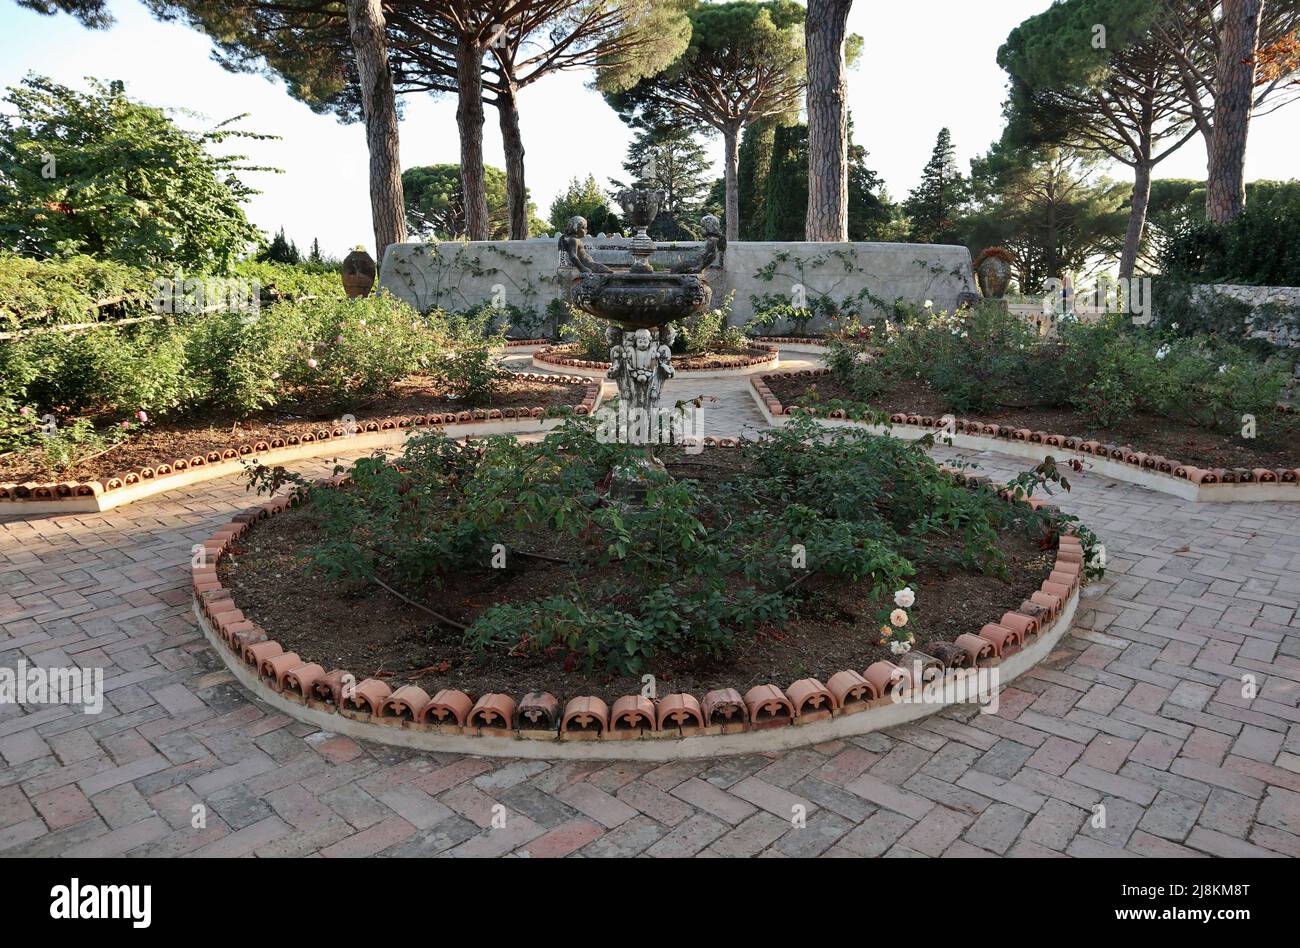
(1275, 310)
(869, 277)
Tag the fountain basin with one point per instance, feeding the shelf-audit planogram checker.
(640, 300)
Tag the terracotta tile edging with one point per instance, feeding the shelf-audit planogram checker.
(1120, 462)
(680, 725)
(121, 489)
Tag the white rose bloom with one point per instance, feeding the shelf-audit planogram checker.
(905, 598)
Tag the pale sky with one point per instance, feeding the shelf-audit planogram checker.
(925, 64)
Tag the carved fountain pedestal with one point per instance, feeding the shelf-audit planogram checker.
(639, 303)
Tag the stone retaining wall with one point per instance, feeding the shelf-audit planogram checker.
(866, 277)
(1275, 310)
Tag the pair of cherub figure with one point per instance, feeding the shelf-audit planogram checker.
(574, 254)
(639, 361)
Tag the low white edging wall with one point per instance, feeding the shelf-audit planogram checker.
(651, 749)
(1106, 467)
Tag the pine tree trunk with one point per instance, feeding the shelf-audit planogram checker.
(513, 143)
(469, 121)
(828, 122)
(379, 107)
(1234, 82)
(1137, 219)
(731, 141)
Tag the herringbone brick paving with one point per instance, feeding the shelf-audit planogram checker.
(1140, 709)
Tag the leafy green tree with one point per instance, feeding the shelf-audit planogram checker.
(871, 214)
(786, 191)
(97, 173)
(283, 250)
(672, 159)
(1119, 94)
(786, 203)
(933, 205)
(332, 55)
(584, 198)
(753, 170)
(1260, 246)
(435, 203)
(745, 63)
(481, 51)
(1234, 60)
(1050, 207)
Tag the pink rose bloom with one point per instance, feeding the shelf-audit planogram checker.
(144, 418)
(24, 411)
(311, 363)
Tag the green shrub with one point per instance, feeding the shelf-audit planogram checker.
(103, 371)
(691, 569)
(282, 281)
(68, 445)
(466, 361)
(1117, 369)
(1260, 246)
(36, 293)
(587, 332)
(864, 379)
(974, 358)
(708, 331)
(338, 352)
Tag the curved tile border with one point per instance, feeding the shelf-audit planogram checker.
(555, 357)
(675, 726)
(107, 493)
(1121, 462)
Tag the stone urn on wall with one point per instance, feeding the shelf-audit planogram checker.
(993, 271)
(358, 273)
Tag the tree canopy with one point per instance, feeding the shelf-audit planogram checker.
(1051, 207)
(584, 198)
(435, 202)
(933, 204)
(744, 64)
(98, 173)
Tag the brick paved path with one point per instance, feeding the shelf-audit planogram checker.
(1140, 710)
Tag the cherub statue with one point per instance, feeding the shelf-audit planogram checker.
(641, 358)
(714, 243)
(663, 358)
(572, 253)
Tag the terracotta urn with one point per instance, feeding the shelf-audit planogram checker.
(993, 271)
(358, 273)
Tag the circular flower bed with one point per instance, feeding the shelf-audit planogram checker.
(481, 584)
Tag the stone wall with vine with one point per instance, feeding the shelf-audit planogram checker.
(867, 280)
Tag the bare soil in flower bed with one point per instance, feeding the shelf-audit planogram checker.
(372, 633)
(1152, 434)
(713, 359)
(165, 441)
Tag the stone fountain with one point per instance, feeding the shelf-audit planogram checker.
(639, 302)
